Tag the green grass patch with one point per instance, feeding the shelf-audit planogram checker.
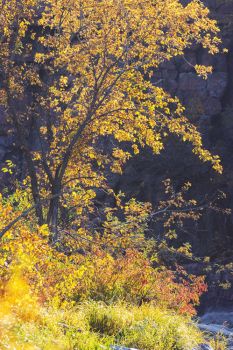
(96, 326)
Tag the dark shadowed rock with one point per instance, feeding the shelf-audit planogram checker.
(6, 141)
(216, 84)
(191, 83)
(212, 106)
(220, 63)
(3, 121)
(203, 347)
(185, 65)
(2, 153)
(170, 86)
(169, 70)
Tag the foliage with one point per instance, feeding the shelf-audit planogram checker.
(89, 325)
(105, 267)
(92, 326)
(144, 327)
(73, 270)
(219, 342)
(54, 310)
(26, 324)
(79, 71)
(114, 265)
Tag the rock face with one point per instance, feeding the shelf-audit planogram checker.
(203, 347)
(219, 322)
(209, 105)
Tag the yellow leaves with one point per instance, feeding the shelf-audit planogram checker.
(63, 81)
(114, 264)
(203, 70)
(33, 77)
(6, 210)
(212, 43)
(185, 250)
(39, 57)
(138, 210)
(44, 231)
(217, 165)
(135, 149)
(3, 97)
(15, 85)
(6, 31)
(153, 140)
(103, 49)
(23, 25)
(43, 130)
(206, 156)
(81, 199)
(121, 157)
(92, 155)
(36, 156)
(33, 36)
(122, 135)
(54, 103)
(116, 167)
(17, 300)
(120, 154)
(9, 167)
(103, 69)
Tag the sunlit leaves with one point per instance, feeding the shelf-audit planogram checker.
(79, 70)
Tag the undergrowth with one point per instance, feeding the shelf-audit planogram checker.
(93, 325)
(112, 294)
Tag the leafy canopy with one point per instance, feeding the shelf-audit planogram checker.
(79, 71)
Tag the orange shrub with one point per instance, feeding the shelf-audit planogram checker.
(99, 275)
(132, 278)
(108, 267)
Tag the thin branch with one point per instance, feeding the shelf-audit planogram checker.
(25, 214)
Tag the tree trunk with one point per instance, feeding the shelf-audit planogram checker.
(52, 217)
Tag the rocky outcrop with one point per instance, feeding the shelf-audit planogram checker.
(203, 347)
(209, 104)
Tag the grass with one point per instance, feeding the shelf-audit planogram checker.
(26, 325)
(96, 326)
(219, 342)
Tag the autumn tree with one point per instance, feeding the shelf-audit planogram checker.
(76, 72)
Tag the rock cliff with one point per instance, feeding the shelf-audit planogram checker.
(209, 104)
